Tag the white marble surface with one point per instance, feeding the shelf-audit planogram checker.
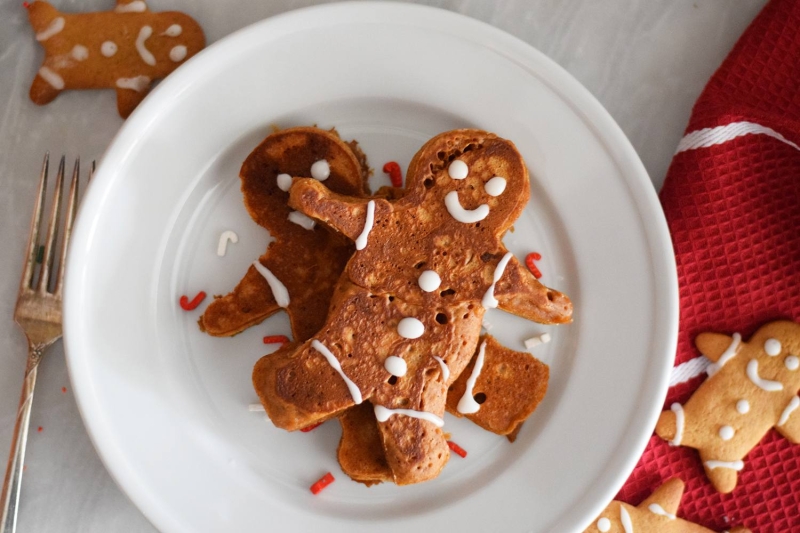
(646, 61)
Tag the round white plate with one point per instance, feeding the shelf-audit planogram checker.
(166, 405)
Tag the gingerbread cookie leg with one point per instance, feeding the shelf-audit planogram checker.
(128, 99)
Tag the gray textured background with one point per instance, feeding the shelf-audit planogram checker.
(646, 61)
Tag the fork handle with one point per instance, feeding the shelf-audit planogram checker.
(13, 480)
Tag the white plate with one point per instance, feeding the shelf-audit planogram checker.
(166, 405)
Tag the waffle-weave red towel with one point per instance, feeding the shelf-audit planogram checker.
(732, 201)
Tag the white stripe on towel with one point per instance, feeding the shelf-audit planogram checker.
(711, 136)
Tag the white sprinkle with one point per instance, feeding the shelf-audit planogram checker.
(138, 84)
(177, 53)
(222, 246)
(278, 289)
(467, 404)
(284, 182)
(772, 347)
(302, 220)
(396, 366)
(173, 31)
(743, 406)
(445, 368)
(429, 281)
(679, 423)
(726, 432)
(487, 325)
(543, 338)
(53, 28)
(361, 241)
(108, 48)
(352, 387)
(791, 362)
(793, 404)
(320, 170)
(410, 328)
(495, 186)
(79, 52)
(382, 414)
(489, 300)
(144, 53)
(255, 408)
(137, 6)
(52, 78)
(458, 170)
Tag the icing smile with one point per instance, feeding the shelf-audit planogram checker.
(467, 216)
(758, 381)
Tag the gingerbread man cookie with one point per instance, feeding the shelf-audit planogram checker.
(752, 387)
(654, 515)
(125, 49)
(303, 262)
(426, 267)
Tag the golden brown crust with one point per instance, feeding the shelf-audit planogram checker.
(360, 450)
(308, 262)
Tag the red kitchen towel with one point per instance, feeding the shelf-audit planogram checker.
(732, 202)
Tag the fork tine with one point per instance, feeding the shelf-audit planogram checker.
(72, 204)
(36, 221)
(52, 230)
(91, 171)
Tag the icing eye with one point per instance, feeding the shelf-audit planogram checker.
(108, 48)
(178, 53)
(495, 186)
(792, 362)
(772, 347)
(173, 31)
(284, 182)
(458, 170)
(320, 170)
(604, 524)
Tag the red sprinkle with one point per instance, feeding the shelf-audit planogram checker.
(312, 427)
(395, 174)
(186, 305)
(529, 261)
(40, 429)
(26, 5)
(456, 448)
(276, 339)
(64, 390)
(323, 482)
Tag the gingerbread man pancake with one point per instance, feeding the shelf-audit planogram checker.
(125, 49)
(426, 267)
(752, 387)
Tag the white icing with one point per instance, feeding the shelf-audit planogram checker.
(791, 362)
(55, 26)
(489, 301)
(361, 241)
(429, 281)
(396, 366)
(320, 170)
(743, 406)
(256, 408)
(625, 518)
(495, 186)
(543, 338)
(52, 78)
(467, 404)
(302, 220)
(177, 53)
(410, 328)
(794, 403)
(765, 384)
(278, 289)
(137, 6)
(657, 509)
(457, 211)
(726, 356)
(772, 347)
(726, 432)
(173, 31)
(144, 53)
(679, 423)
(355, 392)
(284, 182)
(445, 368)
(733, 465)
(383, 414)
(458, 170)
(79, 52)
(604, 525)
(108, 48)
(222, 246)
(138, 84)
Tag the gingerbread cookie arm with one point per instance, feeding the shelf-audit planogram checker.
(789, 423)
(128, 99)
(521, 294)
(715, 345)
(345, 214)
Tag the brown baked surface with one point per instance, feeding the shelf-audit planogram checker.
(360, 450)
(308, 262)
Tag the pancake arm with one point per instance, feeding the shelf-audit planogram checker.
(520, 293)
(345, 214)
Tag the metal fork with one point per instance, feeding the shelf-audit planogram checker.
(38, 313)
